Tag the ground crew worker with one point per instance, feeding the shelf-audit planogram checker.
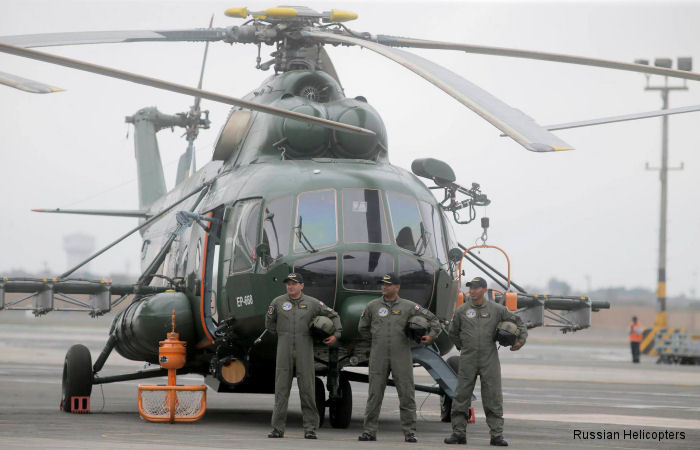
(472, 331)
(289, 316)
(384, 321)
(635, 332)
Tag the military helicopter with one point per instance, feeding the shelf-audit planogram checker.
(299, 181)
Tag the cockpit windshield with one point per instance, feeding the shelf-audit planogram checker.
(316, 221)
(363, 217)
(409, 230)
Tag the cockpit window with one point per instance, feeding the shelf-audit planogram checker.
(431, 218)
(363, 217)
(409, 231)
(316, 221)
(277, 224)
(319, 272)
(417, 278)
(364, 270)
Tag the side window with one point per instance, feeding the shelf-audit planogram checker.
(316, 221)
(435, 237)
(410, 232)
(277, 226)
(363, 217)
(246, 236)
(241, 235)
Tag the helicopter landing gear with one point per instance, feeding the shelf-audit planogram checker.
(320, 391)
(340, 408)
(445, 400)
(77, 379)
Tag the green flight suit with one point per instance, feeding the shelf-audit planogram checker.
(472, 331)
(384, 322)
(290, 320)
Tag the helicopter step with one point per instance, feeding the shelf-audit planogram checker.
(442, 371)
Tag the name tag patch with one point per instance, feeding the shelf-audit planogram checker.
(484, 314)
(303, 306)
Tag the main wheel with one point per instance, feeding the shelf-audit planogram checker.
(340, 409)
(446, 401)
(320, 391)
(77, 375)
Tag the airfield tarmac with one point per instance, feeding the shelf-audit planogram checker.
(555, 385)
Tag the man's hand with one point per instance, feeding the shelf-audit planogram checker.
(515, 347)
(329, 340)
(427, 339)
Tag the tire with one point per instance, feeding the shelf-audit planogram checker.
(77, 375)
(320, 391)
(446, 401)
(340, 410)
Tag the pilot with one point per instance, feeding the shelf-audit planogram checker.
(472, 331)
(290, 316)
(384, 321)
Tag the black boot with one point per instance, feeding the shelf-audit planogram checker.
(276, 434)
(366, 437)
(455, 439)
(499, 441)
(410, 437)
(310, 435)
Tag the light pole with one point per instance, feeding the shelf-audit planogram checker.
(683, 64)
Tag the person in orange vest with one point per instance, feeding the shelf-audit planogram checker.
(635, 332)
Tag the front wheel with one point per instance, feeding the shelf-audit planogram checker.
(340, 409)
(320, 392)
(77, 376)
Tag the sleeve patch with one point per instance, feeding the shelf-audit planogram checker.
(417, 308)
(322, 304)
(271, 309)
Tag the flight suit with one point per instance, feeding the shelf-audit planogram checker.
(472, 332)
(290, 319)
(384, 322)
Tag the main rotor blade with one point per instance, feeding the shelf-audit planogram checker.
(395, 41)
(113, 37)
(173, 87)
(519, 126)
(27, 85)
(623, 118)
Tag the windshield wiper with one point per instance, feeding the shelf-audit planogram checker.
(302, 237)
(422, 244)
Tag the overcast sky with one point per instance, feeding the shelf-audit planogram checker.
(589, 216)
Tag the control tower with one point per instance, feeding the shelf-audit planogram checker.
(78, 247)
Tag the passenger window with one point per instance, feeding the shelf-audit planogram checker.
(363, 217)
(316, 221)
(364, 270)
(409, 231)
(277, 226)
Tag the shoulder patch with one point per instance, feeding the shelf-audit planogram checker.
(417, 308)
(271, 309)
(322, 304)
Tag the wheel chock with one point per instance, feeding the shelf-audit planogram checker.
(471, 418)
(80, 405)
